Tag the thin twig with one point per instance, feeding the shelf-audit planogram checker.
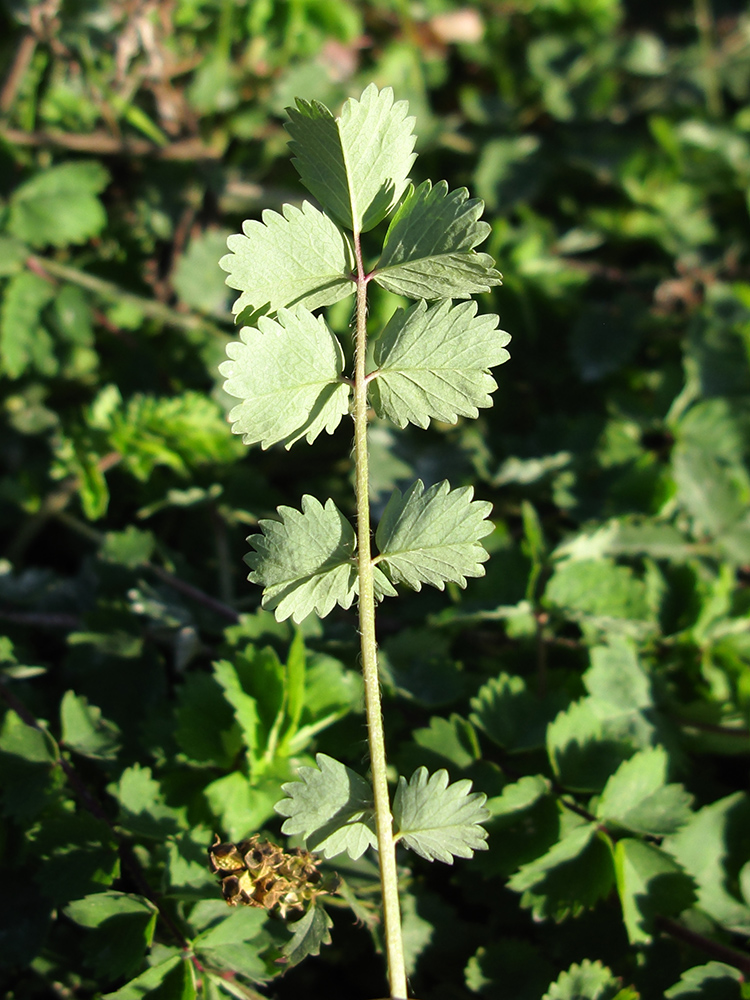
(42, 619)
(197, 595)
(24, 55)
(114, 293)
(740, 960)
(106, 144)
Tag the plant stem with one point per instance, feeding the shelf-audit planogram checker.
(383, 817)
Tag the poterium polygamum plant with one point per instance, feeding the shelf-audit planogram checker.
(431, 361)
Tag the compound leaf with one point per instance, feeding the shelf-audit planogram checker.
(60, 205)
(432, 536)
(304, 561)
(650, 884)
(331, 807)
(433, 361)
(438, 820)
(287, 375)
(637, 797)
(429, 247)
(356, 165)
(297, 258)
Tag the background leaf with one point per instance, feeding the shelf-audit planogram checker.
(60, 205)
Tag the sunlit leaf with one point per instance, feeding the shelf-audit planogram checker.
(287, 374)
(432, 362)
(356, 165)
(438, 820)
(297, 258)
(304, 560)
(429, 248)
(331, 807)
(432, 536)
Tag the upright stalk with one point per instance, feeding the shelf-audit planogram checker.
(383, 816)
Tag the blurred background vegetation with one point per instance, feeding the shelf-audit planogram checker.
(610, 141)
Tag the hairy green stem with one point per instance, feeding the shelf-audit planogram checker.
(383, 816)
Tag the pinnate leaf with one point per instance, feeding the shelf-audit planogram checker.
(331, 806)
(297, 258)
(438, 820)
(432, 536)
(304, 561)
(432, 363)
(638, 798)
(429, 247)
(287, 375)
(356, 165)
(60, 205)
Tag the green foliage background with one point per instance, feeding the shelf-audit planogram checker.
(595, 683)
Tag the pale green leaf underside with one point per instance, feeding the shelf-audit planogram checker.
(429, 247)
(287, 375)
(304, 561)
(331, 807)
(357, 166)
(432, 536)
(297, 258)
(437, 820)
(431, 362)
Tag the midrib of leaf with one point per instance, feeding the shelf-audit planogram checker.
(469, 254)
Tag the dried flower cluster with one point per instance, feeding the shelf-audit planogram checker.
(257, 872)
